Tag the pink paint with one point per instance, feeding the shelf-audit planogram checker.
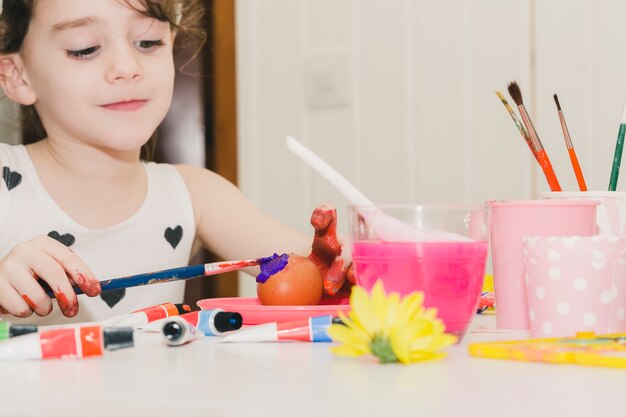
(450, 274)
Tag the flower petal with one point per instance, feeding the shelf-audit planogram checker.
(344, 334)
(348, 350)
(393, 309)
(361, 310)
(379, 306)
(422, 356)
(410, 306)
(400, 340)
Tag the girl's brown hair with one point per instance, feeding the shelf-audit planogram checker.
(185, 16)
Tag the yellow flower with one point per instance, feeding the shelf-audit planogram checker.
(390, 328)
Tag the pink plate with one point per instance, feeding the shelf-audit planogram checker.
(253, 312)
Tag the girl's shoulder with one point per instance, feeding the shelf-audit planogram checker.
(211, 194)
(202, 182)
(9, 152)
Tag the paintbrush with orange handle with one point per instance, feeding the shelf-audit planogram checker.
(540, 153)
(570, 148)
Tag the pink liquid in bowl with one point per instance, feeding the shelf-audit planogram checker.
(450, 274)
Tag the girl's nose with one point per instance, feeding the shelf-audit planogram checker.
(124, 64)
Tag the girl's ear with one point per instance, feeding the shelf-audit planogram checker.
(14, 82)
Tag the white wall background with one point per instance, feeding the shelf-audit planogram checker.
(413, 117)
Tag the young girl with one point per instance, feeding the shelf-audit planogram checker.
(95, 79)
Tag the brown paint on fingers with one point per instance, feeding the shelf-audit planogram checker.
(68, 309)
(30, 302)
(89, 285)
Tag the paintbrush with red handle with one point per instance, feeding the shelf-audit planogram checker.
(570, 148)
(540, 153)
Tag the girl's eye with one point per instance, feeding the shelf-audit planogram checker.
(82, 53)
(149, 44)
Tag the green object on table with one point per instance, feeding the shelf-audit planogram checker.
(4, 329)
(7, 330)
(617, 158)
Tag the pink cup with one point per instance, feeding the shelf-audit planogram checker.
(510, 221)
(575, 284)
(610, 214)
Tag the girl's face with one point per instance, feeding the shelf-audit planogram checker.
(101, 74)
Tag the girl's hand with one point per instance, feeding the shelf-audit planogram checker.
(46, 259)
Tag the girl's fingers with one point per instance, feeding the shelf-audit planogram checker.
(49, 270)
(54, 263)
(12, 302)
(73, 266)
(32, 293)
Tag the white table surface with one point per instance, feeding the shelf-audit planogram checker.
(303, 379)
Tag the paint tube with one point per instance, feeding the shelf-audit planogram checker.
(147, 315)
(214, 322)
(178, 331)
(8, 330)
(73, 342)
(312, 329)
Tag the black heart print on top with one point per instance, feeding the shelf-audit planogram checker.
(11, 178)
(67, 239)
(173, 236)
(113, 297)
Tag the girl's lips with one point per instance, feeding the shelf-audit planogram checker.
(130, 105)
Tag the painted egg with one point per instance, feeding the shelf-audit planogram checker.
(299, 283)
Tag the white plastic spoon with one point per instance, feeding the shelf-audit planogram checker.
(388, 228)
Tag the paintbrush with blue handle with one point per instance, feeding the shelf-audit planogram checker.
(269, 266)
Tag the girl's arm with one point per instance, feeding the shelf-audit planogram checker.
(229, 225)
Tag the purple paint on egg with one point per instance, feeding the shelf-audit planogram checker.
(271, 265)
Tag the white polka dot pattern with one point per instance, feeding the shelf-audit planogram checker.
(562, 309)
(575, 284)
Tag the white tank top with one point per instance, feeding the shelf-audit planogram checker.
(158, 236)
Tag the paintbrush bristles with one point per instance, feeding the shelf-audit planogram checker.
(516, 93)
(556, 100)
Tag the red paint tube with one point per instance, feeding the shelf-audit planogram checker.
(312, 329)
(67, 343)
(148, 315)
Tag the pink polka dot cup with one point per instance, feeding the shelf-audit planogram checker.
(575, 284)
